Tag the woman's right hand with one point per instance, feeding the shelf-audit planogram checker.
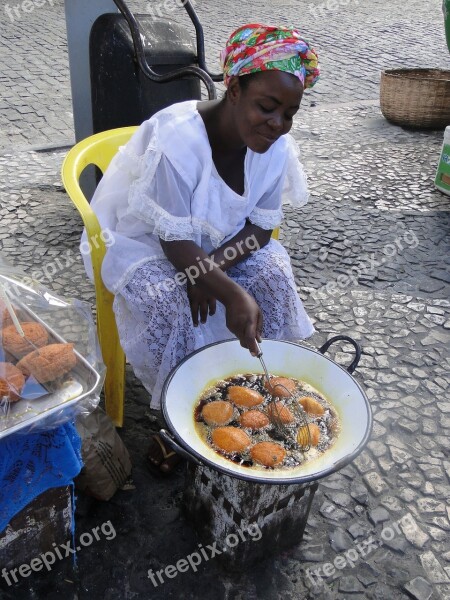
(244, 319)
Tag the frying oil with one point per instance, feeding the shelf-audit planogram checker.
(328, 423)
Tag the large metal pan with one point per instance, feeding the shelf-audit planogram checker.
(202, 368)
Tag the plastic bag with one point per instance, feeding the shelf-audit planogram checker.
(51, 367)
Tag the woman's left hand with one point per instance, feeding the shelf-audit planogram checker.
(202, 303)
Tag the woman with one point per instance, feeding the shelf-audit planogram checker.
(192, 201)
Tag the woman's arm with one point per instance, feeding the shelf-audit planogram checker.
(249, 239)
(243, 315)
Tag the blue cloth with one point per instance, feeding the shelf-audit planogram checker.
(32, 463)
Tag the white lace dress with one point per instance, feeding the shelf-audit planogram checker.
(163, 184)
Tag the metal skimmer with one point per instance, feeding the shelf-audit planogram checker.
(302, 435)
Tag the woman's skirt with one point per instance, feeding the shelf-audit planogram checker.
(155, 324)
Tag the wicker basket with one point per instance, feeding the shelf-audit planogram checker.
(417, 98)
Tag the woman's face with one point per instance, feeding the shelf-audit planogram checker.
(263, 111)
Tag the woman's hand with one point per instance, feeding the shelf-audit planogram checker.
(244, 320)
(243, 316)
(201, 303)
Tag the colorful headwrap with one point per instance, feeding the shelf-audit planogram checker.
(255, 47)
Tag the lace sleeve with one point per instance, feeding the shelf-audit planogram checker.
(161, 199)
(267, 213)
(266, 219)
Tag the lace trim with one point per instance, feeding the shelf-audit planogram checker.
(171, 228)
(265, 218)
(202, 227)
(128, 274)
(165, 225)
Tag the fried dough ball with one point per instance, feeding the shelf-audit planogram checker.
(334, 426)
(230, 439)
(278, 412)
(280, 392)
(268, 454)
(243, 396)
(11, 382)
(217, 412)
(48, 363)
(254, 419)
(311, 406)
(314, 433)
(19, 346)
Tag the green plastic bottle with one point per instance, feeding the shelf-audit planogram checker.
(442, 181)
(446, 9)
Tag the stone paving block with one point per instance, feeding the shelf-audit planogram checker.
(419, 588)
(376, 484)
(429, 505)
(339, 540)
(441, 522)
(350, 585)
(437, 534)
(312, 553)
(364, 463)
(378, 515)
(443, 591)
(392, 503)
(358, 530)
(413, 533)
(330, 511)
(398, 544)
(433, 569)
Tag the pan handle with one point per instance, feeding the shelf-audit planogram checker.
(168, 439)
(346, 338)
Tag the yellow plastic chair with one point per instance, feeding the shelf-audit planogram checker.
(98, 150)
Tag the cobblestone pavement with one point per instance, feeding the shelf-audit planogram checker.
(370, 254)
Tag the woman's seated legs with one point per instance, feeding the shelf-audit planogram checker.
(155, 324)
(267, 275)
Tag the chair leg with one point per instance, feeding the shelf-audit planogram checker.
(113, 355)
(114, 358)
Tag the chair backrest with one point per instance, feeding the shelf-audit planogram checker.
(98, 150)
